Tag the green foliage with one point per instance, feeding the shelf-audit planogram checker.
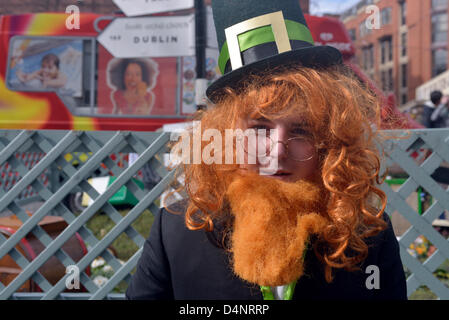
(423, 293)
(101, 224)
(123, 247)
(422, 249)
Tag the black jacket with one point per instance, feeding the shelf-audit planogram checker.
(177, 263)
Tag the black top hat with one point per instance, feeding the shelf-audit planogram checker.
(259, 35)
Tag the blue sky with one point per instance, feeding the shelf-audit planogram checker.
(330, 6)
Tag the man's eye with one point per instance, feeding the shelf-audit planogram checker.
(299, 132)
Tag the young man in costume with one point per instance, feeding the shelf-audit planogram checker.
(307, 220)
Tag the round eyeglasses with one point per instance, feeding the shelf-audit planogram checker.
(298, 148)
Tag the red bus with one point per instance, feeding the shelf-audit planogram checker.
(55, 78)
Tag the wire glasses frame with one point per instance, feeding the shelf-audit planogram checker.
(298, 148)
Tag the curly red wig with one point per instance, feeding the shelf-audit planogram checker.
(342, 115)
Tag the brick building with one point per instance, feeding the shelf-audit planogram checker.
(408, 49)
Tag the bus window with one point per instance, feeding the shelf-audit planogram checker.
(53, 64)
(46, 64)
(84, 105)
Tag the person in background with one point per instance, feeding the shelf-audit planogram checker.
(426, 113)
(440, 115)
(440, 119)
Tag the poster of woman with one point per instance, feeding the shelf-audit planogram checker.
(132, 81)
(136, 86)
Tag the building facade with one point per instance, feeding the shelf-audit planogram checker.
(401, 44)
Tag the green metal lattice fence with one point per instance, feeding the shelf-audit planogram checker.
(422, 175)
(52, 178)
(67, 177)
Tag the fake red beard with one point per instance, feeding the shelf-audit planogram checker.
(273, 222)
